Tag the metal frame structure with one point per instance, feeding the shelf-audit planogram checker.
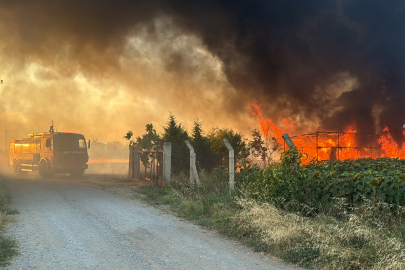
(154, 173)
(338, 147)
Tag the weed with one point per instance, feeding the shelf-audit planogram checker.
(358, 241)
(8, 247)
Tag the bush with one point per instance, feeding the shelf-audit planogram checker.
(314, 185)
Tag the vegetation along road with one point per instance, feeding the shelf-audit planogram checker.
(67, 223)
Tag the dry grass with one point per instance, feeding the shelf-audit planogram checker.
(356, 241)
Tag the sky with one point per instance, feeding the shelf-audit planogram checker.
(103, 67)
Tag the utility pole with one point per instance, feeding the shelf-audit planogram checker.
(1, 92)
(5, 131)
(5, 143)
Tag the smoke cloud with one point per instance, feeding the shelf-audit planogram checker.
(104, 67)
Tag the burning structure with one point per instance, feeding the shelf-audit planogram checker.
(323, 145)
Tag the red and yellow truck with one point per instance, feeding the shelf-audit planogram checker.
(50, 152)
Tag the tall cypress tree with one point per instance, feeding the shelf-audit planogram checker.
(205, 157)
(175, 133)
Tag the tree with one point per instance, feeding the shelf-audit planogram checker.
(201, 144)
(221, 153)
(147, 142)
(129, 135)
(257, 145)
(263, 148)
(149, 139)
(175, 133)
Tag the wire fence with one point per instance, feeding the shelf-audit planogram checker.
(329, 146)
(321, 145)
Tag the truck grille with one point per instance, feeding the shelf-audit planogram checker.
(71, 158)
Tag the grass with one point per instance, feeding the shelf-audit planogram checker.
(342, 236)
(360, 239)
(8, 246)
(211, 205)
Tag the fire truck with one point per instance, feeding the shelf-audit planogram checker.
(49, 153)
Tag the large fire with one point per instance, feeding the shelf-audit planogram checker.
(390, 147)
(330, 145)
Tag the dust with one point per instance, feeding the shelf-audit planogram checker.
(109, 168)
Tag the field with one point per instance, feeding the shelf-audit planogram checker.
(330, 215)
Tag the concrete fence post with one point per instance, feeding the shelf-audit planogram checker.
(190, 147)
(196, 177)
(167, 160)
(130, 162)
(291, 146)
(231, 164)
(193, 167)
(288, 141)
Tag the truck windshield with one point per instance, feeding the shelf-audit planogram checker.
(69, 142)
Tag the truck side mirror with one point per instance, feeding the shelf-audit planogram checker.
(89, 145)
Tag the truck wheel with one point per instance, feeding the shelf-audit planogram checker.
(17, 167)
(43, 170)
(76, 173)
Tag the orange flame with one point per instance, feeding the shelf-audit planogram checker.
(320, 147)
(389, 146)
(268, 128)
(330, 146)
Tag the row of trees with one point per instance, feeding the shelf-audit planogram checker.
(210, 149)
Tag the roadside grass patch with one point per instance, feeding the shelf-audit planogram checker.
(211, 205)
(8, 249)
(358, 240)
(8, 246)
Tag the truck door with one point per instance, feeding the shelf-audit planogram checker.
(46, 147)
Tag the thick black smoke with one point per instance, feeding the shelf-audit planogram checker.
(295, 56)
(290, 52)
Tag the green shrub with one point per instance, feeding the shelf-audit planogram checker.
(314, 185)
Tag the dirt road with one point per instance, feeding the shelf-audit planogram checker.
(70, 224)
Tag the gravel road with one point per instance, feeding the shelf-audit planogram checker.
(69, 224)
